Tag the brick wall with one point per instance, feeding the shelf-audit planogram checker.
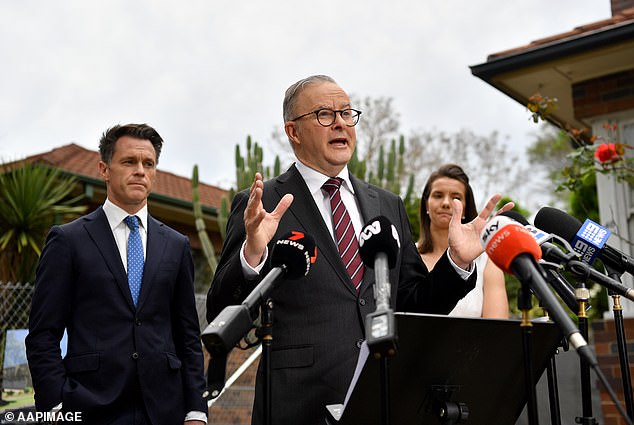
(604, 340)
(619, 5)
(235, 405)
(603, 95)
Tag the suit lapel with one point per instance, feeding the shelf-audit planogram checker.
(367, 197)
(99, 231)
(304, 210)
(154, 253)
(368, 200)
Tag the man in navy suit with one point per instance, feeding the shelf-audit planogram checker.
(319, 319)
(134, 355)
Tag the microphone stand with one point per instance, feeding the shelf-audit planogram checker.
(583, 296)
(617, 311)
(385, 391)
(553, 388)
(524, 303)
(265, 333)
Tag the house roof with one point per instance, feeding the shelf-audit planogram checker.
(553, 65)
(623, 17)
(82, 162)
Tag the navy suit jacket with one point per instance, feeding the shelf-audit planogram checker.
(81, 286)
(319, 319)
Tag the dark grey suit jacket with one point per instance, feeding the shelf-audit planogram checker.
(319, 319)
(82, 286)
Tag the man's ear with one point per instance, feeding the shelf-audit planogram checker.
(291, 132)
(103, 170)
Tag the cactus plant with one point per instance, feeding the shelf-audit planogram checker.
(246, 167)
(208, 248)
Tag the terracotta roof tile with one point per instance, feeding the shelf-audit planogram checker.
(626, 16)
(83, 162)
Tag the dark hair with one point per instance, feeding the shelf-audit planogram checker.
(452, 171)
(138, 131)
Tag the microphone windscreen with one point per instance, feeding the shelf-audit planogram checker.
(296, 251)
(516, 216)
(379, 235)
(504, 240)
(557, 222)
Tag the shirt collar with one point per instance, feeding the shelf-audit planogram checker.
(314, 179)
(116, 214)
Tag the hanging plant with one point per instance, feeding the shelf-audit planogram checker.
(591, 154)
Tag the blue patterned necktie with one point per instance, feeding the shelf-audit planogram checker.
(135, 257)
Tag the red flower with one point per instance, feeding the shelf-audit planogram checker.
(606, 152)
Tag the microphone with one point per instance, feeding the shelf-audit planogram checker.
(291, 258)
(563, 288)
(581, 269)
(588, 238)
(379, 245)
(551, 252)
(512, 248)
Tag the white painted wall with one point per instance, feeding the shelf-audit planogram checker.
(616, 200)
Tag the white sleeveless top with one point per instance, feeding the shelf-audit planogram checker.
(471, 304)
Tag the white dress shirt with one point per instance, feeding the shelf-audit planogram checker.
(315, 180)
(121, 231)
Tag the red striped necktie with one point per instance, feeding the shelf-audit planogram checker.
(344, 233)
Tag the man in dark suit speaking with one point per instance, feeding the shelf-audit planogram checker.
(121, 284)
(318, 319)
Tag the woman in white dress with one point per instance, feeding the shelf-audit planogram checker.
(488, 299)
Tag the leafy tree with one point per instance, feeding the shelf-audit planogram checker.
(491, 167)
(379, 124)
(584, 201)
(548, 154)
(281, 146)
(552, 153)
(550, 150)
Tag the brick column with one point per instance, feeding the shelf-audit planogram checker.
(604, 340)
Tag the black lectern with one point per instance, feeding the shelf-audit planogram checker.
(473, 364)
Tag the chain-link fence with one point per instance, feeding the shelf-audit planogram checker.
(15, 303)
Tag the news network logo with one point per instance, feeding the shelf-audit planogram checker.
(589, 240)
(373, 229)
(494, 226)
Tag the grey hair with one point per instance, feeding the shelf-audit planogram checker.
(290, 98)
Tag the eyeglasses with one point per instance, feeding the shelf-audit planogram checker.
(326, 116)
